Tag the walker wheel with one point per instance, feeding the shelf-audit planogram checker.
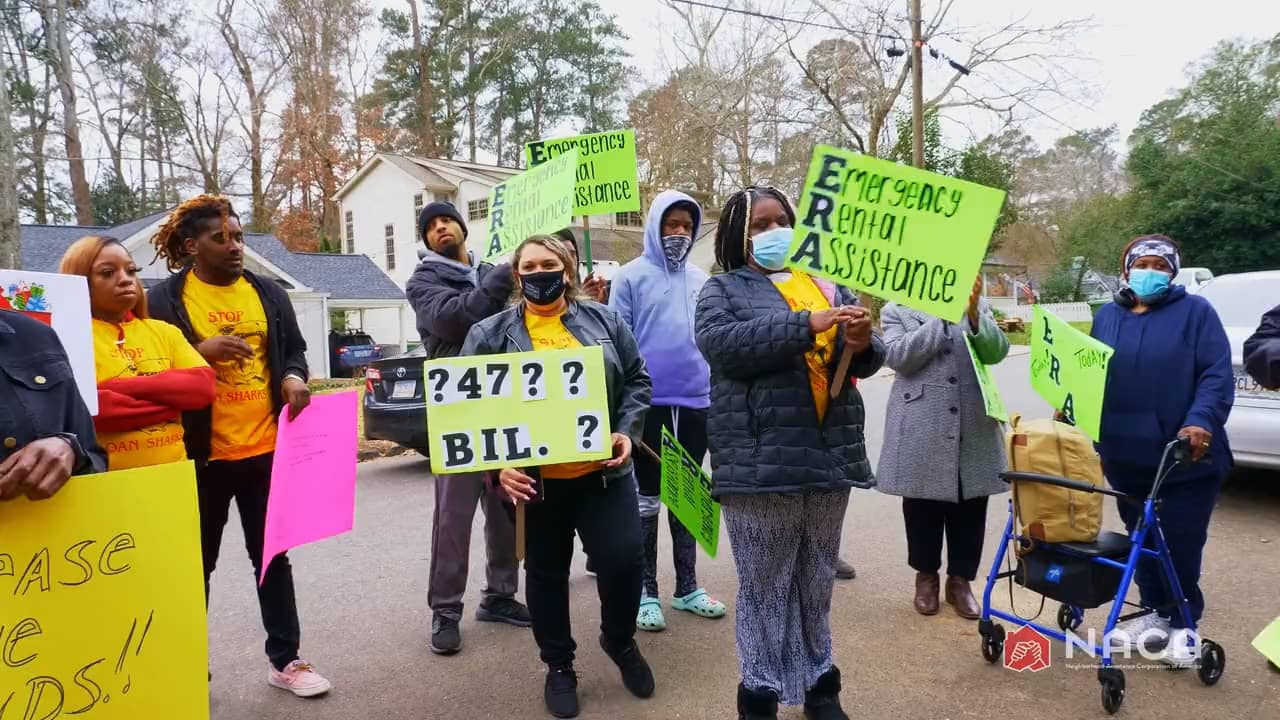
(1068, 617)
(1112, 681)
(1213, 661)
(992, 642)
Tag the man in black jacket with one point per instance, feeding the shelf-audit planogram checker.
(46, 432)
(245, 327)
(1262, 351)
(450, 292)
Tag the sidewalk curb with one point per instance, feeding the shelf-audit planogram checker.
(1014, 351)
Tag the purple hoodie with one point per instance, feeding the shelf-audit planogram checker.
(657, 302)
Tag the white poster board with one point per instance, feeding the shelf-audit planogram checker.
(62, 302)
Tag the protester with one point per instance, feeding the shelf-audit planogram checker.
(785, 452)
(1170, 377)
(450, 291)
(46, 432)
(656, 294)
(245, 327)
(148, 374)
(595, 499)
(942, 454)
(1262, 351)
(594, 286)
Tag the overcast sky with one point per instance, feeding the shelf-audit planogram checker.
(1138, 50)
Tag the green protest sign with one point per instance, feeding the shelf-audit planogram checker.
(1069, 370)
(906, 235)
(537, 201)
(606, 172)
(990, 393)
(686, 490)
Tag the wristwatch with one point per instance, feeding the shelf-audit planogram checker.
(83, 462)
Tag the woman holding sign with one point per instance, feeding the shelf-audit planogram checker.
(148, 374)
(942, 454)
(786, 438)
(595, 499)
(1170, 376)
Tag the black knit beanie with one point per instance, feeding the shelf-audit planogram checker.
(435, 210)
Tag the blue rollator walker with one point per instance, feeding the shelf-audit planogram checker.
(1088, 575)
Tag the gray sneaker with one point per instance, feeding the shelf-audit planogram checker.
(844, 571)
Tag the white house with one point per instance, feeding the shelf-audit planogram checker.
(381, 202)
(317, 283)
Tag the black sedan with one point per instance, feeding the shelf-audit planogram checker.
(394, 405)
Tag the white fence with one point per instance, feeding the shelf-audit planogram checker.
(1070, 312)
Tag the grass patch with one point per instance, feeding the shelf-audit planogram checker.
(1024, 338)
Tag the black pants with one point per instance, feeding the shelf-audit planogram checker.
(963, 523)
(606, 518)
(690, 429)
(1185, 509)
(249, 482)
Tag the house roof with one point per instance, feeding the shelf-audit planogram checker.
(343, 277)
(129, 229)
(433, 173)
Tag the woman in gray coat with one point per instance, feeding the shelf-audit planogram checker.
(941, 453)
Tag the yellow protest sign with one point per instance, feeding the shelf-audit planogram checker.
(1268, 642)
(103, 613)
(991, 400)
(606, 174)
(686, 490)
(490, 412)
(906, 235)
(537, 201)
(1069, 370)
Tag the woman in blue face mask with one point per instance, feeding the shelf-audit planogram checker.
(1170, 376)
(785, 432)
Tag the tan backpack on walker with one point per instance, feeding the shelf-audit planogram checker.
(1049, 513)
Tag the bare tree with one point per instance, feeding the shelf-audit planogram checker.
(10, 249)
(54, 16)
(32, 95)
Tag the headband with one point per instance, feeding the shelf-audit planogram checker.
(1152, 246)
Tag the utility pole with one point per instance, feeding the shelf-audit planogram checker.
(917, 87)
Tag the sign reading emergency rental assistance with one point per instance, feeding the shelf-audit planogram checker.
(537, 201)
(899, 233)
(686, 490)
(103, 612)
(1069, 370)
(488, 412)
(607, 176)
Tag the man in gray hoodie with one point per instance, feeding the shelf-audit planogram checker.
(450, 291)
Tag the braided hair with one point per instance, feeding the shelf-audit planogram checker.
(735, 219)
(185, 222)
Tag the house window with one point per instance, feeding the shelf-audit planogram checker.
(442, 197)
(391, 247)
(351, 233)
(629, 219)
(478, 209)
(417, 207)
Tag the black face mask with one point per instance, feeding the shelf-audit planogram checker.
(543, 288)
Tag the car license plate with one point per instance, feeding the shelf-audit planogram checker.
(1246, 386)
(404, 389)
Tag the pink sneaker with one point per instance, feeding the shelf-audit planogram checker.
(300, 679)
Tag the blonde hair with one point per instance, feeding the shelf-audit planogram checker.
(83, 253)
(557, 247)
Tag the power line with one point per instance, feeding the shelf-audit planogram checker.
(793, 21)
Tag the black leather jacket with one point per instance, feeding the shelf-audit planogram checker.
(38, 394)
(592, 324)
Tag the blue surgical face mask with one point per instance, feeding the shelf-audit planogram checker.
(769, 248)
(1148, 283)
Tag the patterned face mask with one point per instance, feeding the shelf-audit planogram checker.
(676, 248)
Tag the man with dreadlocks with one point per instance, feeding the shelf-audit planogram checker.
(245, 328)
(786, 441)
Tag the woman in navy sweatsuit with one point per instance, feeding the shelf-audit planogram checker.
(1170, 377)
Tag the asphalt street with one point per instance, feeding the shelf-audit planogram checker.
(366, 623)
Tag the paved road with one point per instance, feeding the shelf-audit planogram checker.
(365, 621)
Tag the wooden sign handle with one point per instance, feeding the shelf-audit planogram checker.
(842, 372)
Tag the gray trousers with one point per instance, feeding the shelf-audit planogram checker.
(455, 511)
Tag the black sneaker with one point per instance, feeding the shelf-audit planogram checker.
(445, 637)
(636, 674)
(504, 610)
(844, 571)
(561, 692)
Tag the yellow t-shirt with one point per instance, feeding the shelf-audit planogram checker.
(802, 293)
(548, 333)
(244, 420)
(137, 348)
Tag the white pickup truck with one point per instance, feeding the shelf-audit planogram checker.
(1193, 278)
